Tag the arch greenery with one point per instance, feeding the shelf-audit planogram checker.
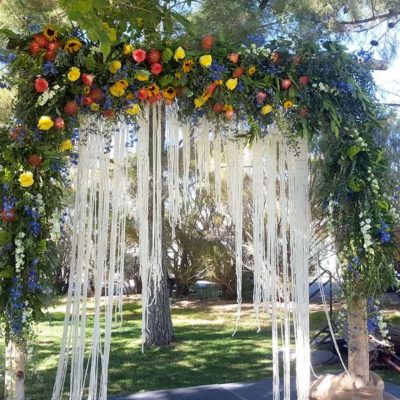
(317, 90)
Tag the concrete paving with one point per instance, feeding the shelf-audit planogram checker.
(258, 390)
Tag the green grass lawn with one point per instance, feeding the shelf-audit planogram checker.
(204, 351)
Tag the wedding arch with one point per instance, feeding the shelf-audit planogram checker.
(202, 100)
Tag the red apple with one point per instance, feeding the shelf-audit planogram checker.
(234, 58)
(35, 160)
(286, 83)
(156, 68)
(207, 42)
(71, 108)
(238, 72)
(154, 56)
(41, 85)
(59, 123)
(218, 107)
(304, 80)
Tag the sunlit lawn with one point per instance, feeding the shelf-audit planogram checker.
(204, 351)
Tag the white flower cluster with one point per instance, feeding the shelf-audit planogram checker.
(40, 204)
(323, 87)
(365, 230)
(55, 232)
(26, 312)
(374, 182)
(19, 252)
(47, 95)
(258, 51)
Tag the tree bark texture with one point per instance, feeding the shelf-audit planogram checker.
(159, 329)
(14, 377)
(358, 359)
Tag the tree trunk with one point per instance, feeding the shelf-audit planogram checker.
(14, 387)
(358, 361)
(159, 329)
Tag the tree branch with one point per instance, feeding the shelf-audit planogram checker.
(370, 19)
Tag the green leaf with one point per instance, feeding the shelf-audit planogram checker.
(352, 151)
(383, 205)
(10, 34)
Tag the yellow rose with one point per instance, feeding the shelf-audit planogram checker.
(179, 54)
(115, 66)
(231, 83)
(266, 109)
(45, 123)
(94, 107)
(205, 61)
(127, 50)
(287, 104)
(141, 77)
(133, 109)
(117, 90)
(74, 74)
(66, 145)
(26, 179)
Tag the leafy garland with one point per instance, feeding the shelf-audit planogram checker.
(317, 91)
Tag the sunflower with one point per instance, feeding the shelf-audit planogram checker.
(50, 33)
(72, 45)
(169, 93)
(187, 66)
(287, 104)
(153, 90)
(86, 89)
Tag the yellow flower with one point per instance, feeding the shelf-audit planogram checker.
(127, 50)
(179, 54)
(86, 89)
(169, 93)
(228, 107)
(153, 89)
(199, 102)
(206, 96)
(50, 33)
(205, 61)
(115, 66)
(74, 74)
(117, 90)
(26, 179)
(45, 123)
(72, 45)
(219, 82)
(133, 109)
(178, 75)
(287, 104)
(187, 66)
(123, 83)
(251, 70)
(130, 96)
(94, 107)
(266, 109)
(66, 145)
(141, 77)
(231, 83)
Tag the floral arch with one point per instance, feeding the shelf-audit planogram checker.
(74, 106)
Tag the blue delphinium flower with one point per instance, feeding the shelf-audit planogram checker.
(33, 277)
(49, 69)
(258, 40)
(216, 70)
